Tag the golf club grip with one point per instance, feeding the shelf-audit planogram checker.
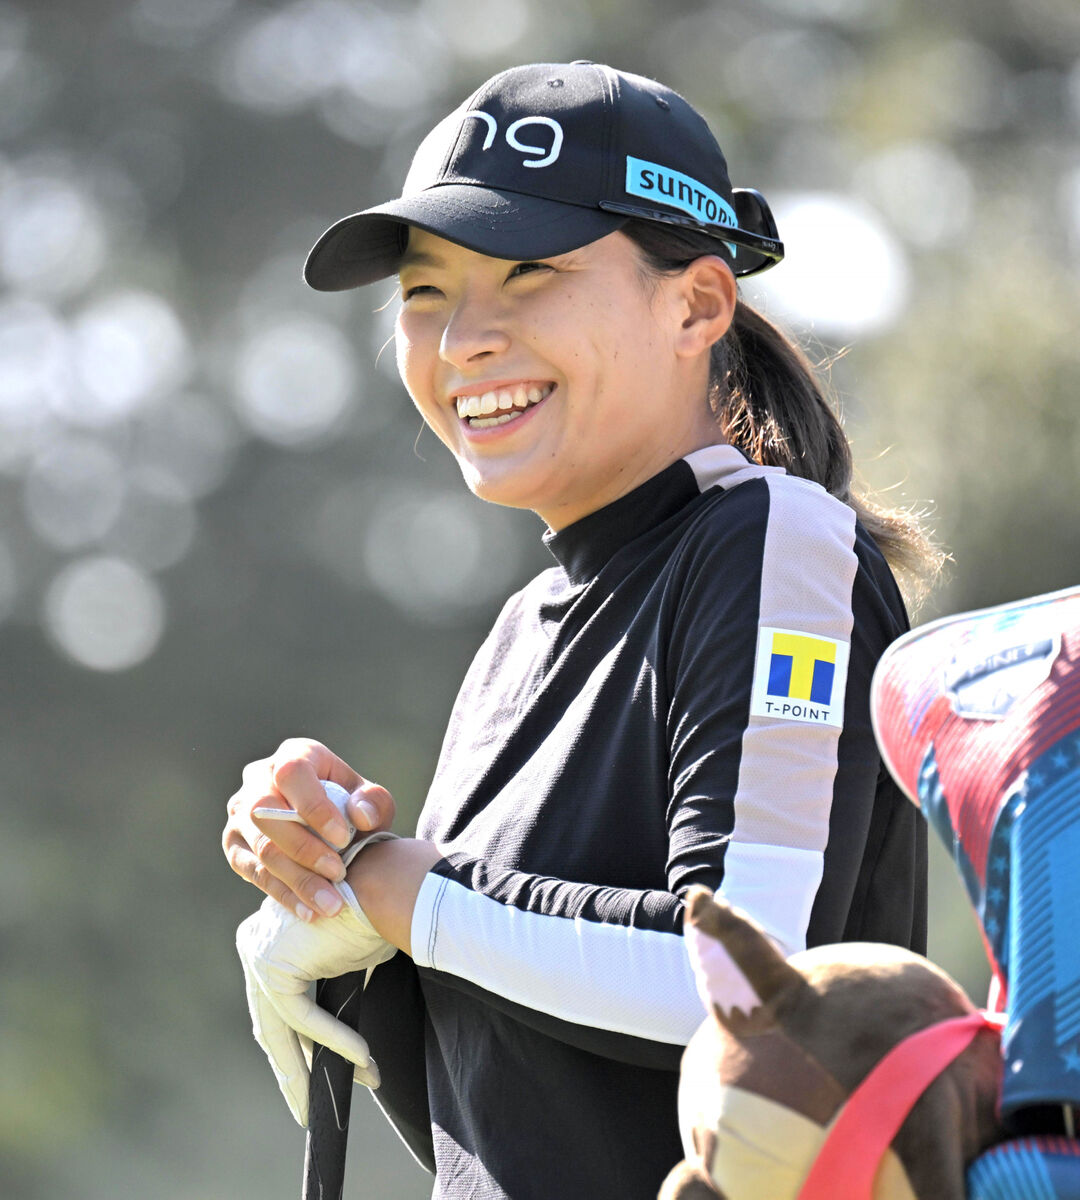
(330, 1094)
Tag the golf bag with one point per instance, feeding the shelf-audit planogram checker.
(978, 718)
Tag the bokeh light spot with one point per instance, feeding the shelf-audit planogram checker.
(190, 439)
(387, 69)
(922, 188)
(477, 28)
(35, 361)
(396, 63)
(104, 613)
(295, 379)
(129, 348)
(52, 235)
(966, 82)
(844, 273)
(793, 74)
(156, 525)
(283, 60)
(73, 493)
(437, 556)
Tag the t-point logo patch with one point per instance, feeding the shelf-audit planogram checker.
(799, 677)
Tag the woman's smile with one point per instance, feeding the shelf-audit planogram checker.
(501, 405)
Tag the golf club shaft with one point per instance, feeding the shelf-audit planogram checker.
(330, 1094)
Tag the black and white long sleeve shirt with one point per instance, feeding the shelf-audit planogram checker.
(682, 699)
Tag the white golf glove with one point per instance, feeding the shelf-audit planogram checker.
(281, 957)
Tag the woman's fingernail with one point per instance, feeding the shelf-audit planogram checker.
(331, 866)
(305, 913)
(328, 902)
(368, 813)
(338, 833)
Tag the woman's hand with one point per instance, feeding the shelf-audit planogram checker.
(281, 956)
(285, 859)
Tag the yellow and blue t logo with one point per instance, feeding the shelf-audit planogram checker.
(802, 668)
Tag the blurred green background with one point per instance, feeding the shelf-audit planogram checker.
(219, 526)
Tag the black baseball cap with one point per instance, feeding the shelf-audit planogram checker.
(545, 158)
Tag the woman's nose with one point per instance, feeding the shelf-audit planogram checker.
(475, 328)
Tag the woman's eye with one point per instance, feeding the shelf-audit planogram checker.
(527, 268)
(422, 289)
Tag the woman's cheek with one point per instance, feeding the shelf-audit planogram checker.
(417, 379)
(402, 352)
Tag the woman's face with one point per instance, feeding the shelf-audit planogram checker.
(558, 385)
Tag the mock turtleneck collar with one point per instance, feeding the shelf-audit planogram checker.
(583, 548)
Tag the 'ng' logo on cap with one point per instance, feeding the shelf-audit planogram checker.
(799, 677)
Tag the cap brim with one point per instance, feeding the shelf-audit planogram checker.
(367, 246)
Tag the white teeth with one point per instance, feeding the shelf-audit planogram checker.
(501, 419)
(505, 402)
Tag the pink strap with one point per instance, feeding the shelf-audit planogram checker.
(876, 1109)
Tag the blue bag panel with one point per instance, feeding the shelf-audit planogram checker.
(1041, 1168)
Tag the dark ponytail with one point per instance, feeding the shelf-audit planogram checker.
(769, 402)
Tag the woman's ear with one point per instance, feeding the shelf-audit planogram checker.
(707, 293)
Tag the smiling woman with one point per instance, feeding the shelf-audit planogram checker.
(599, 378)
(681, 699)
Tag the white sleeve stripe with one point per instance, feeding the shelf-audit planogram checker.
(787, 769)
(614, 977)
(776, 885)
(724, 466)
